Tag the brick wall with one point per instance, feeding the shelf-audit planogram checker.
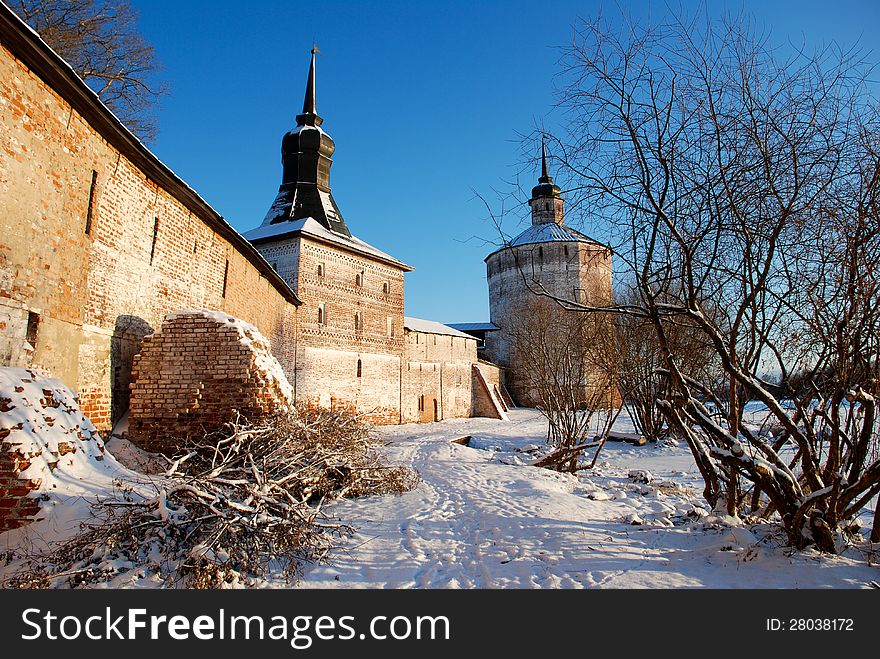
(437, 371)
(487, 391)
(344, 285)
(149, 250)
(193, 375)
(16, 507)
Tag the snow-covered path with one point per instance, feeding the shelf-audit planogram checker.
(480, 520)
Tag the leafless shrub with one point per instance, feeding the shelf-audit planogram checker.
(570, 376)
(743, 191)
(231, 508)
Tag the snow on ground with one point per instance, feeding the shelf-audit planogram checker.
(483, 518)
(480, 518)
(67, 457)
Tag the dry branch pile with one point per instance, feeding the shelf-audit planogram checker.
(232, 508)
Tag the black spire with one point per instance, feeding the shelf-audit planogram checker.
(544, 177)
(309, 116)
(545, 187)
(306, 155)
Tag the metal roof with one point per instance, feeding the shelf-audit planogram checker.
(548, 232)
(474, 327)
(432, 327)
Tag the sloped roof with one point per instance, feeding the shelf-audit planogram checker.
(474, 327)
(432, 327)
(310, 227)
(549, 232)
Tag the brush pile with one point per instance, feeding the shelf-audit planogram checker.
(231, 508)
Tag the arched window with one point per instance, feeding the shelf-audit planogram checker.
(359, 320)
(386, 288)
(322, 316)
(320, 269)
(359, 279)
(359, 368)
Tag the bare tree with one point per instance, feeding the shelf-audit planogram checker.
(569, 377)
(101, 42)
(640, 363)
(743, 188)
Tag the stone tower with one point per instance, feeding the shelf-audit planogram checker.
(547, 256)
(350, 338)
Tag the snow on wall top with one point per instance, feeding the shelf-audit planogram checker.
(432, 327)
(250, 336)
(312, 227)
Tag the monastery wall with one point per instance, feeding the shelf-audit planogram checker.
(436, 379)
(98, 241)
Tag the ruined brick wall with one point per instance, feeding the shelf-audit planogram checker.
(90, 284)
(360, 320)
(44, 441)
(195, 373)
(575, 271)
(16, 507)
(437, 371)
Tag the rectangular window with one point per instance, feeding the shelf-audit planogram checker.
(91, 202)
(33, 328)
(390, 327)
(225, 277)
(155, 235)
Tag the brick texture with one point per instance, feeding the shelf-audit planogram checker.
(195, 374)
(98, 293)
(16, 507)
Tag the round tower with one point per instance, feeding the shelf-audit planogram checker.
(547, 258)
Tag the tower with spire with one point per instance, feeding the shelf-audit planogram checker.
(546, 202)
(349, 344)
(547, 257)
(306, 158)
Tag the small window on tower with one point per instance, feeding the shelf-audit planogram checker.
(322, 315)
(390, 326)
(386, 288)
(320, 269)
(359, 279)
(359, 368)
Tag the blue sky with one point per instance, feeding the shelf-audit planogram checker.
(426, 103)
